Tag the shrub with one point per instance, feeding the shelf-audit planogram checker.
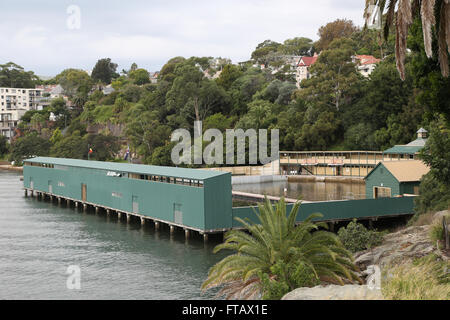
(285, 277)
(355, 237)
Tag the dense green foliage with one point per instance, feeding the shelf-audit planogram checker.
(14, 76)
(355, 237)
(4, 146)
(335, 108)
(276, 256)
(104, 71)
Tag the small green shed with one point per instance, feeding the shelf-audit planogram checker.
(394, 178)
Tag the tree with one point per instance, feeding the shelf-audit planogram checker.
(274, 243)
(383, 95)
(167, 71)
(139, 76)
(335, 79)
(104, 71)
(298, 46)
(195, 96)
(105, 147)
(29, 146)
(4, 145)
(228, 75)
(74, 81)
(436, 152)
(279, 92)
(340, 28)
(71, 146)
(264, 50)
(14, 76)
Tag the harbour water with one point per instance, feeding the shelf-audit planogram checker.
(311, 191)
(39, 241)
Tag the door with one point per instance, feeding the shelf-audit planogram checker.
(83, 192)
(177, 213)
(31, 183)
(135, 204)
(381, 192)
(50, 187)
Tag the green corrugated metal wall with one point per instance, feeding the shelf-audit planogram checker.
(381, 177)
(155, 199)
(218, 203)
(408, 187)
(341, 210)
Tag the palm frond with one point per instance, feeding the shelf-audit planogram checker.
(428, 21)
(403, 21)
(443, 39)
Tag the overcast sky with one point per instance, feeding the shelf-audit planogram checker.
(46, 37)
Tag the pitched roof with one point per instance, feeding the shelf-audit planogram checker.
(418, 142)
(406, 170)
(185, 173)
(400, 149)
(307, 61)
(366, 59)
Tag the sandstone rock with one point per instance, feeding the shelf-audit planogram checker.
(406, 244)
(437, 217)
(335, 292)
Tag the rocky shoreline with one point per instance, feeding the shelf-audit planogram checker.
(11, 168)
(399, 247)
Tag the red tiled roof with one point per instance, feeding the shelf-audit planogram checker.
(307, 61)
(365, 59)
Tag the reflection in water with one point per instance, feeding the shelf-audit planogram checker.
(312, 191)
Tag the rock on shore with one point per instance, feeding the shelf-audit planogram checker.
(335, 292)
(398, 247)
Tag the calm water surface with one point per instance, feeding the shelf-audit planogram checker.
(39, 240)
(312, 191)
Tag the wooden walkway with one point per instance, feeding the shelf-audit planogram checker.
(259, 197)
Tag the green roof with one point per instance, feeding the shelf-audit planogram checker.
(403, 150)
(185, 173)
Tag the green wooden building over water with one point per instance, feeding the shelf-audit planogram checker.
(192, 199)
(395, 178)
(195, 199)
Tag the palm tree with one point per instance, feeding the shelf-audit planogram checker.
(276, 238)
(431, 11)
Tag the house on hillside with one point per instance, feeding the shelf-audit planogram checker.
(303, 65)
(365, 64)
(395, 178)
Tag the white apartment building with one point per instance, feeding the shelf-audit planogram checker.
(14, 102)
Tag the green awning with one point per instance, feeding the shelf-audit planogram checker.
(403, 150)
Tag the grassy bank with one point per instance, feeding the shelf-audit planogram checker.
(427, 278)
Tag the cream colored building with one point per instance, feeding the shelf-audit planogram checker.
(14, 102)
(365, 64)
(303, 66)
